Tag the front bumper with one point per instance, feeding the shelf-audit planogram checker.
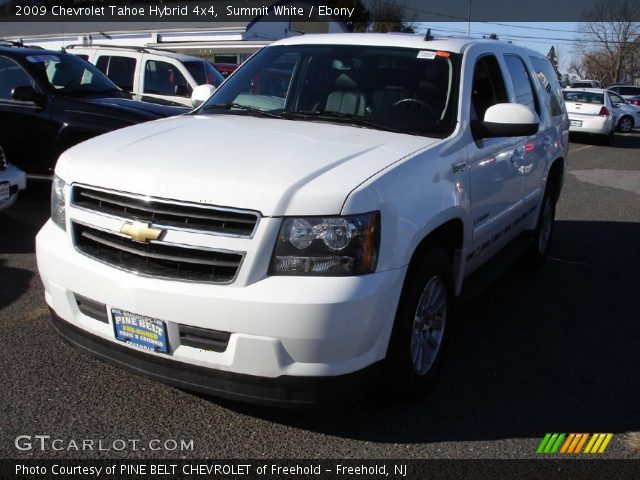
(17, 180)
(287, 391)
(281, 327)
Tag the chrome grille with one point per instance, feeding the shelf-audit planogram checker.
(157, 259)
(166, 213)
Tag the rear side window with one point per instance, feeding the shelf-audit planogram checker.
(548, 80)
(629, 90)
(522, 85)
(594, 98)
(164, 78)
(11, 76)
(120, 70)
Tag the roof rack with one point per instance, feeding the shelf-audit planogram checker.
(13, 43)
(123, 47)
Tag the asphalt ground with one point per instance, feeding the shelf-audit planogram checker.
(553, 350)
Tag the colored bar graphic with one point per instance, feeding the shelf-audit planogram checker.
(605, 442)
(568, 442)
(581, 442)
(592, 440)
(543, 443)
(572, 443)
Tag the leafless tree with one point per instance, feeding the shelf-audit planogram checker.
(609, 39)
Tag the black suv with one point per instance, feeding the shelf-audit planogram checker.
(50, 101)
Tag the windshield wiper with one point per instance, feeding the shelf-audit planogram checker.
(244, 108)
(343, 118)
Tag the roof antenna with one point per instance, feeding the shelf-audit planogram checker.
(428, 37)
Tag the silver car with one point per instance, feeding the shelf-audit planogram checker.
(625, 115)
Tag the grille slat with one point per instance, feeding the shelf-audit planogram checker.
(203, 338)
(157, 259)
(194, 217)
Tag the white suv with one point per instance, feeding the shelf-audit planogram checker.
(366, 181)
(158, 76)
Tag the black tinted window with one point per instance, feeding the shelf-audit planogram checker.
(120, 70)
(11, 76)
(163, 78)
(203, 72)
(549, 81)
(521, 82)
(629, 90)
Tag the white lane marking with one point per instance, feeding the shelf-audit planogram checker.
(628, 180)
(569, 262)
(579, 149)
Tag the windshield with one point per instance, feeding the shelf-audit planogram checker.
(584, 97)
(69, 74)
(203, 72)
(399, 89)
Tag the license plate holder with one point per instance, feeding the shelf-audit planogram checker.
(5, 191)
(140, 331)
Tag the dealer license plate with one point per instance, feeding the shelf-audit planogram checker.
(576, 123)
(143, 332)
(5, 191)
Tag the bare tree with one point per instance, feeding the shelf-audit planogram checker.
(610, 39)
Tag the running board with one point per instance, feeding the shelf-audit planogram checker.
(475, 283)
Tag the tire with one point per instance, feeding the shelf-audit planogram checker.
(537, 253)
(607, 140)
(417, 341)
(625, 124)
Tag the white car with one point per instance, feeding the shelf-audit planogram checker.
(12, 181)
(153, 75)
(366, 182)
(590, 111)
(626, 115)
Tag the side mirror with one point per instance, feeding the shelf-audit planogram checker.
(26, 93)
(201, 94)
(507, 120)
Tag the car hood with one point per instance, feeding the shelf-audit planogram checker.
(277, 167)
(147, 110)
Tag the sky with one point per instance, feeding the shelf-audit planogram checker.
(538, 36)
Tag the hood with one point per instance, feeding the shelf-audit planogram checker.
(277, 167)
(146, 110)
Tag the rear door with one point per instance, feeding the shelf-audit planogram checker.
(120, 68)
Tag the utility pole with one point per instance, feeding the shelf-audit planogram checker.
(469, 20)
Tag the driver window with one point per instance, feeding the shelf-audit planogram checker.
(11, 76)
(488, 86)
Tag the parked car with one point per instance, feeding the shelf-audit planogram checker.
(328, 245)
(52, 100)
(153, 75)
(628, 92)
(586, 84)
(225, 69)
(591, 112)
(626, 115)
(12, 181)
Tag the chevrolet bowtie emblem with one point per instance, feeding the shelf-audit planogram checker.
(140, 232)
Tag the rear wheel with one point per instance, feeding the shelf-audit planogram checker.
(537, 252)
(419, 332)
(625, 125)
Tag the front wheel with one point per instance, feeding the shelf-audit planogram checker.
(419, 332)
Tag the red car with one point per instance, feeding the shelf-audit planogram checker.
(225, 69)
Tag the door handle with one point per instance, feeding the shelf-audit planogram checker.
(516, 156)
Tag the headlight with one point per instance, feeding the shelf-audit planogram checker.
(330, 246)
(58, 214)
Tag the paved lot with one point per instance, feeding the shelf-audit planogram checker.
(556, 350)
